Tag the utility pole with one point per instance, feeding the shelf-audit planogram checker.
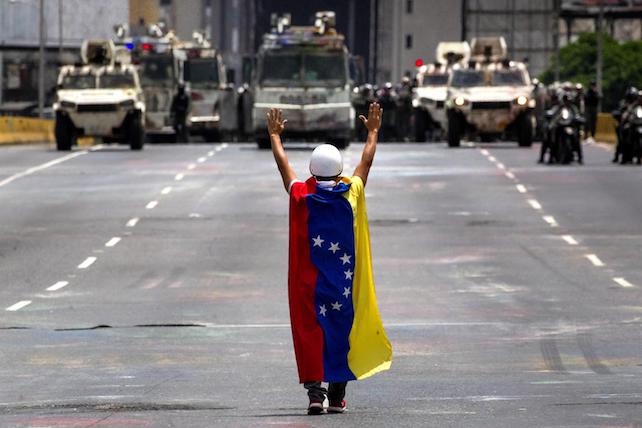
(556, 37)
(60, 31)
(41, 63)
(600, 53)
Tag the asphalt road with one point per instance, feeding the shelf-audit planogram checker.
(148, 289)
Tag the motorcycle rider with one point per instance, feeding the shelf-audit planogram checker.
(362, 102)
(621, 115)
(548, 139)
(179, 111)
(566, 101)
(629, 150)
(386, 98)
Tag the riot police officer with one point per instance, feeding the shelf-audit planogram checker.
(179, 111)
(554, 131)
(621, 115)
(404, 109)
(591, 101)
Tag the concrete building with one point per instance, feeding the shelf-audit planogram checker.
(67, 23)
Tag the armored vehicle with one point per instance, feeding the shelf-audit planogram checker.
(305, 72)
(429, 97)
(491, 98)
(100, 98)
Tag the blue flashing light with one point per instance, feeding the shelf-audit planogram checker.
(129, 46)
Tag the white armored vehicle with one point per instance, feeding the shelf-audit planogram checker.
(305, 72)
(429, 97)
(491, 98)
(100, 98)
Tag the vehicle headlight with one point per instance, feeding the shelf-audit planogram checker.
(415, 103)
(638, 112)
(521, 100)
(126, 103)
(67, 104)
(566, 114)
(460, 101)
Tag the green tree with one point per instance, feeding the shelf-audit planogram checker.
(622, 66)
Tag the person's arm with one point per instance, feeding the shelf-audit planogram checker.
(276, 125)
(373, 123)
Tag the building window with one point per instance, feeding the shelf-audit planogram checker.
(409, 6)
(408, 41)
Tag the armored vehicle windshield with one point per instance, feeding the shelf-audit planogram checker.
(435, 80)
(508, 78)
(157, 70)
(308, 69)
(117, 80)
(78, 81)
(203, 72)
(467, 78)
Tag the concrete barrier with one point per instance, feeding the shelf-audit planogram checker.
(26, 130)
(605, 128)
(17, 130)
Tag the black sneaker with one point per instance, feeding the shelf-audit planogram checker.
(337, 407)
(315, 408)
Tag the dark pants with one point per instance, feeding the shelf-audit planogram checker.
(316, 391)
(591, 121)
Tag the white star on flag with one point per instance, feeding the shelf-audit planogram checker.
(348, 274)
(346, 291)
(317, 241)
(346, 258)
(336, 306)
(334, 247)
(322, 310)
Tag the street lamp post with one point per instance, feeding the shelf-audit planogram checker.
(600, 54)
(41, 62)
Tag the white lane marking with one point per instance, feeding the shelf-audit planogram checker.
(179, 177)
(569, 239)
(509, 175)
(623, 282)
(191, 166)
(536, 205)
(41, 167)
(58, 285)
(17, 306)
(521, 188)
(594, 259)
(224, 145)
(166, 190)
(201, 159)
(492, 158)
(210, 153)
(484, 152)
(151, 205)
(501, 166)
(550, 220)
(219, 148)
(132, 222)
(113, 241)
(88, 262)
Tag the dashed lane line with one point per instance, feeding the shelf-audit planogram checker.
(113, 241)
(17, 306)
(510, 175)
(520, 188)
(201, 159)
(88, 262)
(210, 153)
(569, 240)
(45, 165)
(501, 166)
(179, 177)
(484, 152)
(623, 282)
(535, 204)
(58, 285)
(166, 190)
(132, 222)
(492, 158)
(594, 259)
(191, 166)
(151, 205)
(550, 220)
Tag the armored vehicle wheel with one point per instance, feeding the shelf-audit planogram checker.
(455, 130)
(420, 126)
(64, 132)
(136, 135)
(525, 131)
(263, 143)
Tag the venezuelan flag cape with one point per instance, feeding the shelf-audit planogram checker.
(337, 332)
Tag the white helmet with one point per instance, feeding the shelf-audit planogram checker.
(326, 161)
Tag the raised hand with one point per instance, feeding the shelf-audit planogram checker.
(373, 121)
(275, 121)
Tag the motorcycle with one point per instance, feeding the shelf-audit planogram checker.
(387, 99)
(566, 135)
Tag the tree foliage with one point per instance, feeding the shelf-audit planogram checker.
(622, 66)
